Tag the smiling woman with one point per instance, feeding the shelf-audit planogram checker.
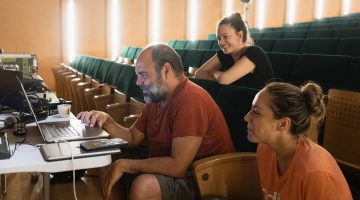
(238, 62)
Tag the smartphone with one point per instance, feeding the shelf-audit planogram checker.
(99, 144)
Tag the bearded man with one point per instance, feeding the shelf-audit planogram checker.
(181, 122)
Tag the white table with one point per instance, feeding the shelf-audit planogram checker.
(28, 158)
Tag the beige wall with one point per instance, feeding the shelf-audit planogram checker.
(355, 6)
(32, 26)
(90, 28)
(274, 13)
(304, 11)
(133, 24)
(208, 14)
(172, 20)
(332, 8)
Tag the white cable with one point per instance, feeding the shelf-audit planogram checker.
(72, 166)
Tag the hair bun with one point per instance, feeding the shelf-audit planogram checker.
(314, 99)
(235, 15)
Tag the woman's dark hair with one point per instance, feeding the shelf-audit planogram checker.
(237, 22)
(300, 104)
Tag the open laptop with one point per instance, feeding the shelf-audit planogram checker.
(64, 131)
(10, 89)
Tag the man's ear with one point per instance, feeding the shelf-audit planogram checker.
(166, 68)
(240, 34)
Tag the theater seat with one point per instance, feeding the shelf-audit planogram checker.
(235, 102)
(320, 46)
(212, 87)
(125, 113)
(265, 44)
(102, 100)
(349, 46)
(327, 70)
(287, 45)
(282, 64)
(342, 125)
(228, 176)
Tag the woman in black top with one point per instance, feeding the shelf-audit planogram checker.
(238, 62)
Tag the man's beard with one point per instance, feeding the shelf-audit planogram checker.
(156, 92)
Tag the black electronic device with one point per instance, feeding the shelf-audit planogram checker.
(34, 85)
(4, 147)
(100, 144)
(10, 94)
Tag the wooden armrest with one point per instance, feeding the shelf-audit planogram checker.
(84, 85)
(102, 100)
(130, 120)
(130, 117)
(118, 106)
(94, 91)
(232, 175)
(118, 111)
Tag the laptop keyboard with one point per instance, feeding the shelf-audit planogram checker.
(61, 131)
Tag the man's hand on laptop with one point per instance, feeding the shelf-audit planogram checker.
(90, 118)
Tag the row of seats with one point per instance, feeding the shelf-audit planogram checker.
(303, 65)
(330, 71)
(196, 44)
(335, 23)
(331, 46)
(312, 27)
(340, 22)
(128, 54)
(333, 33)
(89, 76)
(190, 57)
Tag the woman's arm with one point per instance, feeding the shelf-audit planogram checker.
(241, 67)
(207, 70)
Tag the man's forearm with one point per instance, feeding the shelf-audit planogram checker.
(117, 131)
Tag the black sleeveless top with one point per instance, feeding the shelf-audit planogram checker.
(262, 72)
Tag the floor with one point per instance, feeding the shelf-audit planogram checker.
(21, 187)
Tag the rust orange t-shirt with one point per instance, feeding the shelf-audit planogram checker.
(312, 175)
(190, 111)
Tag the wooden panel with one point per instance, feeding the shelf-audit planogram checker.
(89, 38)
(304, 11)
(208, 14)
(32, 26)
(275, 13)
(355, 6)
(331, 8)
(172, 20)
(90, 27)
(133, 22)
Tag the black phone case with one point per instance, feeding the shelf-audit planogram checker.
(102, 144)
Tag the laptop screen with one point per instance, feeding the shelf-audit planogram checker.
(10, 90)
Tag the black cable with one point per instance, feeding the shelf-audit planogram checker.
(23, 142)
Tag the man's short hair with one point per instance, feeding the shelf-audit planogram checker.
(162, 53)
